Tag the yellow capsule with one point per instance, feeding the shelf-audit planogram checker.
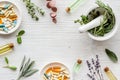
(109, 74)
(6, 48)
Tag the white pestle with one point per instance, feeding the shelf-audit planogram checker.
(92, 24)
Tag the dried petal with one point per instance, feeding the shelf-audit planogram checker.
(52, 3)
(48, 5)
(54, 9)
(53, 15)
(54, 20)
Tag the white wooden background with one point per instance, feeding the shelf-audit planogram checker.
(46, 42)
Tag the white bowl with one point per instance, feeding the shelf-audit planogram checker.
(107, 35)
(18, 12)
(51, 65)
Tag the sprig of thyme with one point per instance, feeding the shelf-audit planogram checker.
(33, 9)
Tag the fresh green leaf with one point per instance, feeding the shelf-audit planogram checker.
(12, 67)
(21, 33)
(111, 55)
(6, 60)
(31, 72)
(19, 40)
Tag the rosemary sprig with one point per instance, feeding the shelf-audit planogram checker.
(33, 9)
(26, 68)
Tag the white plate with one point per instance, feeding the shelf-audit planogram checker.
(52, 65)
(18, 12)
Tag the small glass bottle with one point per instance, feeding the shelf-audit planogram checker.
(74, 5)
(6, 48)
(110, 74)
(76, 66)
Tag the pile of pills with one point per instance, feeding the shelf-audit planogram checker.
(56, 73)
(8, 17)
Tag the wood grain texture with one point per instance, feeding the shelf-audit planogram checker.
(46, 42)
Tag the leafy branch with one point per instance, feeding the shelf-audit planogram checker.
(33, 9)
(26, 68)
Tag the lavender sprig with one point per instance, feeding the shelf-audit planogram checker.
(95, 72)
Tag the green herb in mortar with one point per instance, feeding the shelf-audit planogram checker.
(108, 19)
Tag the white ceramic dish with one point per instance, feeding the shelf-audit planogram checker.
(52, 65)
(18, 12)
(108, 35)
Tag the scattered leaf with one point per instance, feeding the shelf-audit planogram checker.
(19, 40)
(21, 33)
(6, 60)
(111, 55)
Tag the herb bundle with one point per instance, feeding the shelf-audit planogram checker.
(19, 39)
(95, 72)
(8, 66)
(108, 19)
(26, 68)
(33, 9)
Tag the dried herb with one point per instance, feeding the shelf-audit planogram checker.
(108, 19)
(111, 55)
(33, 9)
(95, 72)
(8, 66)
(26, 68)
(19, 39)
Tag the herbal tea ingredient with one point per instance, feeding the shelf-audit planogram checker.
(6, 48)
(8, 66)
(76, 66)
(19, 39)
(109, 73)
(33, 9)
(51, 5)
(8, 17)
(95, 72)
(26, 68)
(108, 19)
(111, 55)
